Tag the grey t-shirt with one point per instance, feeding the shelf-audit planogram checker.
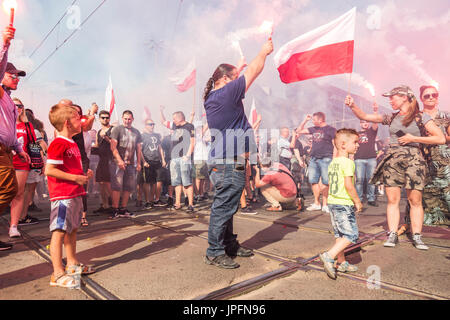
(127, 141)
(396, 125)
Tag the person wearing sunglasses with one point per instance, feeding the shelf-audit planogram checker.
(436, 195)
(102, 174)
(8, 116)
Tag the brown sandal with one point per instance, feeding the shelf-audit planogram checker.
(63, 281)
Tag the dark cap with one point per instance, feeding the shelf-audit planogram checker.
(10, 68)
(401, 90)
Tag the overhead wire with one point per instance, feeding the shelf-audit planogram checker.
(51, 31)
(67, 39)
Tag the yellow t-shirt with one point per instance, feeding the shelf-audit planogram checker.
(338, 169)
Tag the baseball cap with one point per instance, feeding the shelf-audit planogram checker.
(400, 90)
(10, 68)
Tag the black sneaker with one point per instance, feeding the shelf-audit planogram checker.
(114, 213)
(148, 205)
(100, 210)
(372, 203)
(190, 209)
(222, 261)
(248, 210)
(159, 203)
(28, 221)
(5, 246)
(34, 208)
(124, 213)
(238, 251)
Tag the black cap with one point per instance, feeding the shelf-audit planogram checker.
(10, 68)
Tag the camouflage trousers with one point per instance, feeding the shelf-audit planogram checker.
(436, 195)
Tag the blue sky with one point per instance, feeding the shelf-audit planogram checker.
(411, 42)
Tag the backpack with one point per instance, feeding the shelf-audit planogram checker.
(34, 150)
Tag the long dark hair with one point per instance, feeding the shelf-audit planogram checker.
(413, 111)
(222, 70)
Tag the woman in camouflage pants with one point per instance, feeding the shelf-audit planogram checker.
(404, 165)
(436, 195)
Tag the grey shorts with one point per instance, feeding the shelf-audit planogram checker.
(123, 180)
(65, 215)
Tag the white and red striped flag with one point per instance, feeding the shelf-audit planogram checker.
(110, 100)
(253, 114)
(324, 51)
(186, 78)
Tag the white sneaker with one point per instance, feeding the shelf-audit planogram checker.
(314, 207)
(14, 233)
(325, 209)
(381, 192)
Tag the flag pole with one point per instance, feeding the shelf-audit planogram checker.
(349, 91)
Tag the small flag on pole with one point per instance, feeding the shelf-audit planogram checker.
(110, 100)
(186, 78)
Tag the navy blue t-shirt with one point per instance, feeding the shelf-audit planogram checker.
(322, 143)
(232, 134)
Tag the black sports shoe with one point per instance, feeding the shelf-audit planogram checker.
(5, 246)
(148, 205)
(124, 213)
(190, 209)
(238, 251)
(159, 203)
(100, 210)
(28, 221)
(34, 208)
(222, 261)
(114, 213)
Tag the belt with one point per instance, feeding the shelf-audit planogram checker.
(5, 149)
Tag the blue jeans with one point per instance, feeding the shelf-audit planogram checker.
(318, 168)
(181, 172)
(343, 220)
(365, 169)
(229, 182)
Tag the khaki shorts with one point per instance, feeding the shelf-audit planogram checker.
(402, 167)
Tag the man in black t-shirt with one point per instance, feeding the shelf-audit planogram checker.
(366, 161)
(153, 172)
(183, 143)
(322, 151)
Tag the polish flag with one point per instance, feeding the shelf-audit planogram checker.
(110, 101)
(324, 51)
(185, 79)
(253, 114)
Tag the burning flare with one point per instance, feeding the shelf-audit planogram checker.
(8, 5)
(434, 84)
(266, 27)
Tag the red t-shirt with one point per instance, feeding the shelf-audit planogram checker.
(22, 137)
(64, 153)
(281, 181)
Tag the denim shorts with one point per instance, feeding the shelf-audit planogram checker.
(344, 223)
(318, 168)
(181, 172)
(122, 180)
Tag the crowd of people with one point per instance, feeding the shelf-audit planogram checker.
(223, 157)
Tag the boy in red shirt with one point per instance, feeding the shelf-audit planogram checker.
(65, 184)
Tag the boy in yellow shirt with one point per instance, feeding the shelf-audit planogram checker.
(343, 201)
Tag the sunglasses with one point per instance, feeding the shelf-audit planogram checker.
(104, 118)
(150, 124)
(20, 106)
(428, 96)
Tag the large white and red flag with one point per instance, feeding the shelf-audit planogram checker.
(186, 78)
(324, 51)
(110, 100)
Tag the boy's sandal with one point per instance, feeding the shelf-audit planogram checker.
(80, 268)
(63, 281)
(84, 222)
(347, 267)
(275, 209)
